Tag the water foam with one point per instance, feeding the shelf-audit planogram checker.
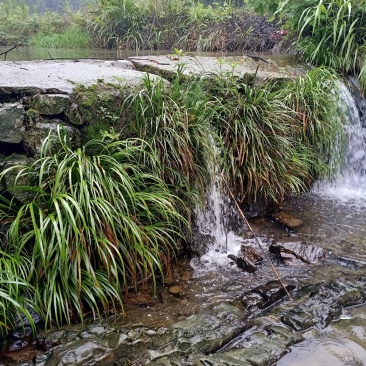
(350, 183)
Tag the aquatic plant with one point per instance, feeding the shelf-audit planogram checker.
(95, 226)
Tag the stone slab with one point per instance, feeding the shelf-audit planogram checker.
(61, 76)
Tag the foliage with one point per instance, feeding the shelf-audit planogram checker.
(15, 304)
(18, 25)
(138, 24)
(96, 225)
(72, 37)
(313, 99)
(190, 25)
(175, 121)
(332, 33)
(329, 32)
(277, 139)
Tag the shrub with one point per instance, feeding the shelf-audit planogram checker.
(96, 225)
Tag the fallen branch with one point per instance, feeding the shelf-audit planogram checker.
(5, 53)
(257, 239)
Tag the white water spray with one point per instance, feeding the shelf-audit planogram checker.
(350, 183)
(213, 222)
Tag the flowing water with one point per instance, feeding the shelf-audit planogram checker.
(334, 216)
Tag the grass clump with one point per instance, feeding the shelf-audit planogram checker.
(327, 32)
(193, 26)
(277, 139)
(176, 121)
(96, 225)
(72, 37)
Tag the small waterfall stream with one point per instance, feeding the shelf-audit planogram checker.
(334, 217)
(350, 183)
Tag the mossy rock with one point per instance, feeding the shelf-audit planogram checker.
(49, 104)
(11, 123)
(100, 108)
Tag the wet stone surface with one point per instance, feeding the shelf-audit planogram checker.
(224, 334)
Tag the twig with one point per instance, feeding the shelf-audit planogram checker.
(257, 239)
(50, 55)
(257, 58)
(10, 49)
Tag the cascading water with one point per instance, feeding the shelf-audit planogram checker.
(350, 183)
(212, 222)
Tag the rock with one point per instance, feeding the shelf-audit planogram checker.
(169, 279)
(326, 304)
(247, 258)
(79, 353)
(60, 77)
(36, 135)
(49, 104)
(139, 299)
(263, 344)
(287, 219)
(208, 330)
(246, 68)
(263, 296)
(176, 291)
(297, 252)
(186, 276)
(243, 263)
(11, 123)
(250, 254)
(16, 160)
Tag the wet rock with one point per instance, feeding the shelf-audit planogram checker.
(263, 296)
(11, 123)
(81, 352)
(170, 279)
(263, 344)
(176, 291)
(326, 304)
(297, 252)
(139, 299)
(247, 259)
(250, 254)
(208, 330)
(287, 219)
(24, 363)
(186, 276)
(243, 263)
(219, 360)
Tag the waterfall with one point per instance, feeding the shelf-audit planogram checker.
(350, 182)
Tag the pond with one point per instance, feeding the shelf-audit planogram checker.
(33, 53)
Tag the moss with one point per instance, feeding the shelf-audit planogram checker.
(31, 117)
(100, 106)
